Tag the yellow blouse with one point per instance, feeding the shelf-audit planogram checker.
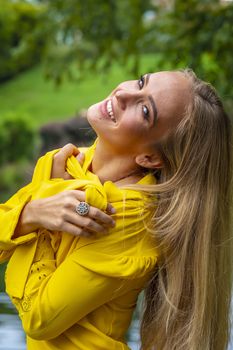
(77, 292)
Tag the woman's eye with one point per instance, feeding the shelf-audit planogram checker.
(141, 82)
(146, 112)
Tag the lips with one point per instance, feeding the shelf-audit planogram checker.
(107, 110)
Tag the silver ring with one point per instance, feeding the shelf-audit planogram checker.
(82, 208)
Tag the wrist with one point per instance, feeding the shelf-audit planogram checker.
(31, 214)
(28, 220)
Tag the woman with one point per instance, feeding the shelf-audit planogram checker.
(170, 126)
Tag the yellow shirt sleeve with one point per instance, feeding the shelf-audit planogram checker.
(9, 216)
(56, 298)
(11, 210)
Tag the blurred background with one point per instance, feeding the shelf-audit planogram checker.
(58, 57)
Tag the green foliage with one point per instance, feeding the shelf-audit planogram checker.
(95, 34)
(83, 36)
(21, 36)
(18, 145)
(13, 176)
(17, 138)
(198, 34)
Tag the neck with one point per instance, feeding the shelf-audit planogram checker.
(114, 167)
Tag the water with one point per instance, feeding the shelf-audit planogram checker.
(12, 336)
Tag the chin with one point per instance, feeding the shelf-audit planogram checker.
(93, 116)
(92, 111)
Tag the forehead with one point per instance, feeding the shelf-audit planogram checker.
(171, 92)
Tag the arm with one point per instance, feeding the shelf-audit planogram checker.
(19, 217)
(10, 212)
(29, 219)
(62, 298)
(9, 217)
(95, 273)
(38, 213)
(57, 213)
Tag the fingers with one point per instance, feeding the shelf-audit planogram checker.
(67, 176)
(101, 217)
(58, 213)
(95, 213)
(59, 161)
(66, 151)
(74, 230)
(95, 221)
(78, 195)
(86, 223)
(110, 209)
(80, 157)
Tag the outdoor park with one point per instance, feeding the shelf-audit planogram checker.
(59, 57)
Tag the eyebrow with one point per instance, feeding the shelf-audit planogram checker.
(155, 111)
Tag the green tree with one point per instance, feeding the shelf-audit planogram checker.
(21, 36)
(83, 36)
(198, 34)
(18, 138)
(95, 34)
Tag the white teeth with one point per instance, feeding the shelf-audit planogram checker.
(109, 109)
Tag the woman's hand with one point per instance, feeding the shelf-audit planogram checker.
(57, 213)
(60, 158)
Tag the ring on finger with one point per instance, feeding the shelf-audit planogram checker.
(82, 208)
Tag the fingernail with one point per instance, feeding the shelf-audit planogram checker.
(112, 210)
(113, 223)
(80, 157)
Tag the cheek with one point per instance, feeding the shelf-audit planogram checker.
(133, 130)
(133, 126)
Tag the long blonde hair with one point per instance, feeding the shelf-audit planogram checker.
(187, 301)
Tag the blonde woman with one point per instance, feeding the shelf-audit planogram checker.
(163, 159)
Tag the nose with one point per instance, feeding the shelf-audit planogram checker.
(124, 97)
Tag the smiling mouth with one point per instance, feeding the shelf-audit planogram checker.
(110, 111)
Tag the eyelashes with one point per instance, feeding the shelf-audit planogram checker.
(141, 82)
(145, 109)
(146, 112)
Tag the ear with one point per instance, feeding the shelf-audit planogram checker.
(152, 161)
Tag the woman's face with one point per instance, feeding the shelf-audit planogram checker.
(140, 113)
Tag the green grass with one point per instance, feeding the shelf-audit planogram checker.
(30, 93)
